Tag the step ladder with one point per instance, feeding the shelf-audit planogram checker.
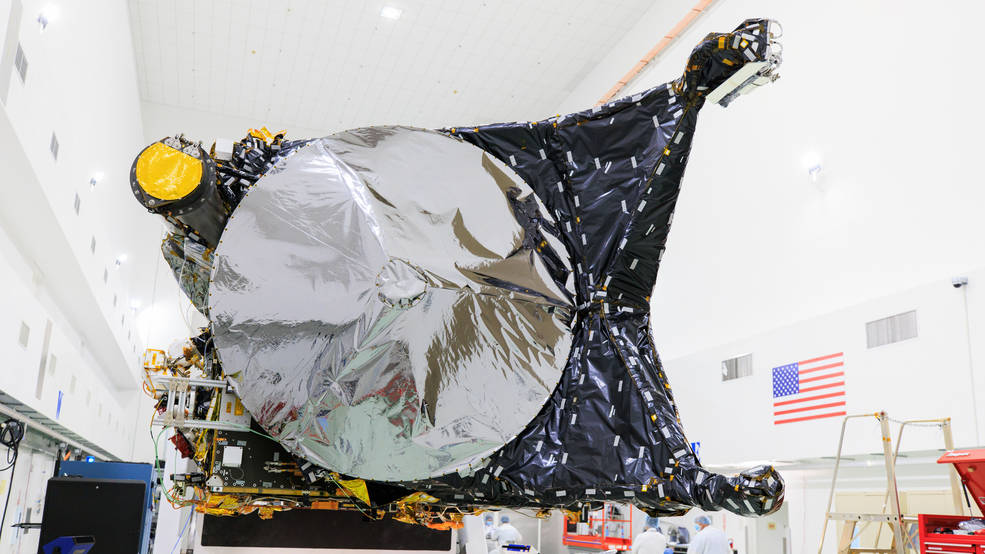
(890, 517)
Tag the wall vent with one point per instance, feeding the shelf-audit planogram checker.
(25, 335)
(114, 300)
(92, 245)
(105, 275)
(53, 146)
(737, 367)
(20, 63)
(52, 360)
(77, 204)
(894, 328)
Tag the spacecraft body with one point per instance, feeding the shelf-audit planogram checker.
(465, 312)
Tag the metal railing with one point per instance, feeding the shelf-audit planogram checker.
(32, 419)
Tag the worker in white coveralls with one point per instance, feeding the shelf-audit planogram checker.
(506, 533)
(708, 540)
(490, 534)
(651, 540)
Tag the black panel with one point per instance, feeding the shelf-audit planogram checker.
(254, 471)
(321, 529)
(110, 510)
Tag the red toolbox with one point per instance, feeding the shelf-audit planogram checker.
(970, 465)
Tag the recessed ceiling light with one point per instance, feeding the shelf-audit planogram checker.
(812, 162)
(95, 178)
(391, 12)
(48, 14)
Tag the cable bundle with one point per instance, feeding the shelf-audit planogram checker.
(11, 434)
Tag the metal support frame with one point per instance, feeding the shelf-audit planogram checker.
(945, 424)
(893, 519)
(892, 491)
(182, 393)
(201, 424)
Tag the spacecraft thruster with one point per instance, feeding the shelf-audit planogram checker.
(461, 312)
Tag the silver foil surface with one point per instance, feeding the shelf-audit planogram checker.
(392, 303)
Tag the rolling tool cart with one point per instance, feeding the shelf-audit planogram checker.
(948, 534)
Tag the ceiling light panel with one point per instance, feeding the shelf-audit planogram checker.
(333, 66)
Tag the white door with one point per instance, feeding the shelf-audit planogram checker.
(773, 533)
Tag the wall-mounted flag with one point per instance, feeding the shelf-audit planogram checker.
(811, 389)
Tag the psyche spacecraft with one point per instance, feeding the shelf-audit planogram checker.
(429, 323)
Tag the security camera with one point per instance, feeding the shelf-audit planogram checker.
(958, 282)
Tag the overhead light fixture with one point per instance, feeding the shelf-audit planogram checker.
(812, 163)
(120, 260)
(48, 14)
(391, 12)
(94, 179)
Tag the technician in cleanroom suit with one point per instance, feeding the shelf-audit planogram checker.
(506, 533)
(708, 540)
(651, 540)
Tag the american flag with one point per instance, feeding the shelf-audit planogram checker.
(811, 389)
